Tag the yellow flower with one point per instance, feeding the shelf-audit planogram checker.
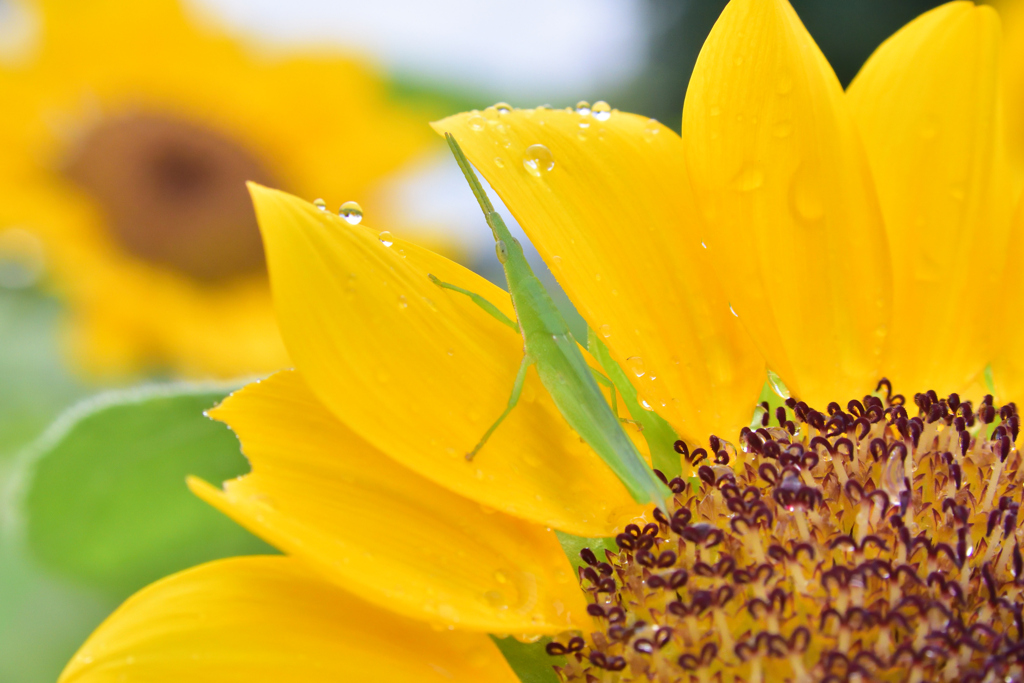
(834, 237)
(128, 133)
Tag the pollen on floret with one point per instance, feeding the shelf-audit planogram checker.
(856, 544)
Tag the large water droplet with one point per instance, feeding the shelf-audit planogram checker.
(538, 159)
(498, 162)
(806, 199)
(583, 108)
(495, 599)
(503, 107)
(749, 179)
(778, 386)
(386, 238)
(320, 204)
(606, 330)
(476, 122)
(351, 212)
(645, 405)
(636, 364)
(782, 129)
(602, 111)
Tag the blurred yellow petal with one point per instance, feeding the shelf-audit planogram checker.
(927, 109)
(253, 619)
(321, 493)
(793, 224)
(615, 221)
(421, 372)
(129, 131)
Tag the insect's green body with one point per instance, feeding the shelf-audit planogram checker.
(563, 371)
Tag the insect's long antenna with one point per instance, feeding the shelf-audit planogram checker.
(474, 182)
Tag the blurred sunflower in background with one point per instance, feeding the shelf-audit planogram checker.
(128, 133)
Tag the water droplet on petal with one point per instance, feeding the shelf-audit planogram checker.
(733, 311)
(805, 199)
(351, 212)
(538, 159)
(498, 162)
(782, 129)
(602, 111)
(476, 122)
(403, 303)
(606, 330)
(495, 599)
(386, 238)
(583, 108)
(500, 576)
(749, 179)
(645, 405)
(636, 364)
(503, 107)
(778, 386)
(530, 637)
(320, 204)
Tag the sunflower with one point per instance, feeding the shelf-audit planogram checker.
(128, 134)
(849, 533)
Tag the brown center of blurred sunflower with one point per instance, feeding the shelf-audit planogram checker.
(173, 193)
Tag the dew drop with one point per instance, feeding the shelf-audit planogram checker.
(503, 107)
(782, 129)
(733, 311)
(538, 159)
(778, 386)
(583, 108)
(703, 245)
(530, 637)
(606, 330)
(351, 212)
(495, 599)
(784, 85)
(500, 576)
(320, 204)
(584, 125)
(386, 238)
(403, 303)
(498, 162)
(749, 179)
(805, 199)
(602, 111)
(476, 122)
(636, 364)
(645, 405)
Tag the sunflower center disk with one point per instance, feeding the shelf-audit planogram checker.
(173, 193)
(857, 544)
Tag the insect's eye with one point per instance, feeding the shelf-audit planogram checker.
(501, 250)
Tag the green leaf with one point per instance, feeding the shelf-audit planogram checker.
(530, 661)
(101, 496)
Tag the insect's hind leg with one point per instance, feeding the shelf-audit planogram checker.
(517, 389)
(483, 303)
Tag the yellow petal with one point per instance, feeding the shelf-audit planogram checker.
(615, 221)
(254, 619)
(1008, 362)
(321, 493)
(793, 222)
(421, 372)
(926, 105)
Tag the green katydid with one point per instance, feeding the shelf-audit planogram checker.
(550, 346)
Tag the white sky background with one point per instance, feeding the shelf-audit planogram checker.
(526, 52)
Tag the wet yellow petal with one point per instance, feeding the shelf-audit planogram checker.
(254, 619)
(421, 372)
(319, 492)
(793, 223)
(615, 221)
(926, 105)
